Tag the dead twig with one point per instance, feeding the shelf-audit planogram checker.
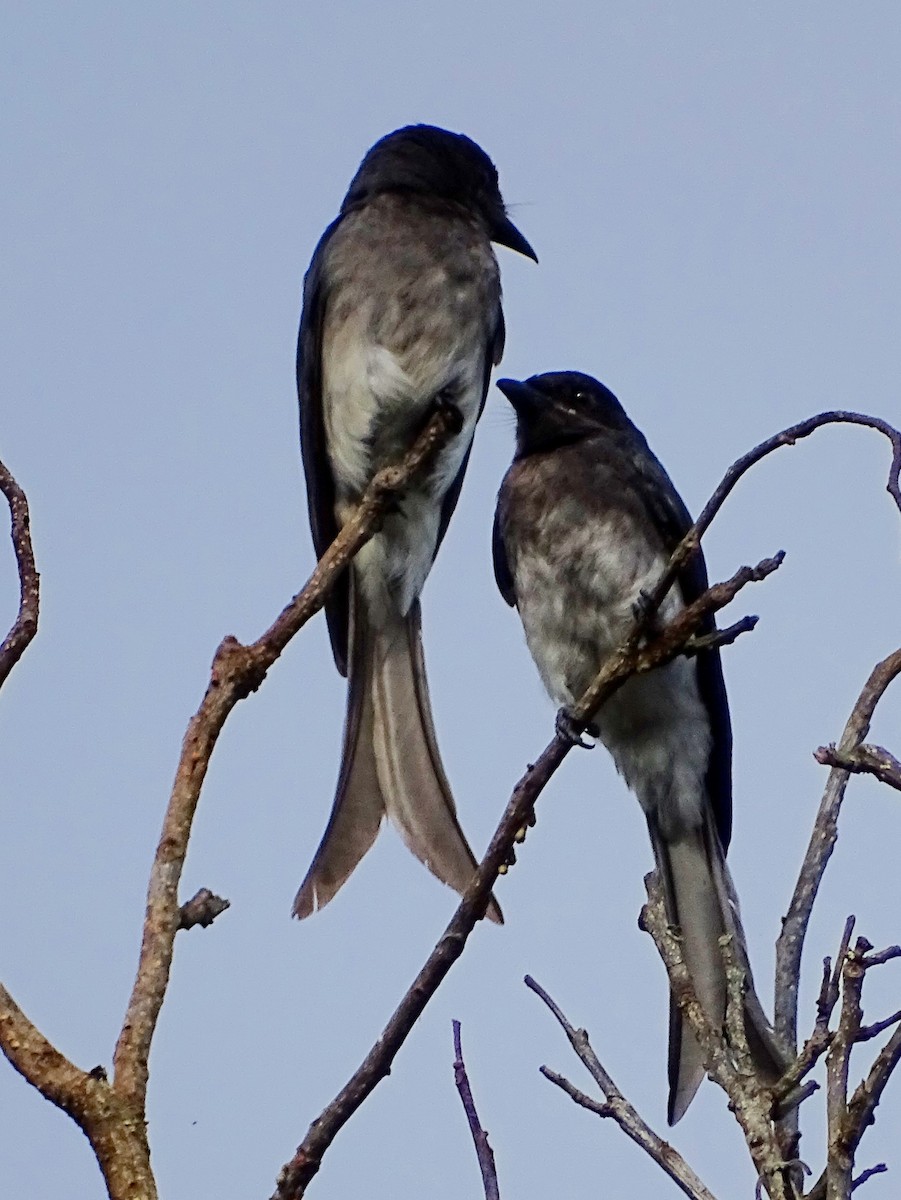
(616, 1106)
(865, 760)
(25, 625)
(484, 1153)
(202, 909)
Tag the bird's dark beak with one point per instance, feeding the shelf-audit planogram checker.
(505, 233)
(522, 397)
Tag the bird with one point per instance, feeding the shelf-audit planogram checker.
(401, 317)
(586, 521)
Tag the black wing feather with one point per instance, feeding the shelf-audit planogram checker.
(673, 519)
(320, 484)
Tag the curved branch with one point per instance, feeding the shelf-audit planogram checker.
(787, 437)
(26, 623)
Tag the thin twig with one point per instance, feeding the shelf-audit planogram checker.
(721, 637)
(840, 1153)
(616, 1106)
(865, 760)
(25, 625)
(237, 670)
(484, 1153)
(879, 1169)
(787, 437)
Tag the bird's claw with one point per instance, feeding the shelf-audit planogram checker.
(571, 730)
(642, 609)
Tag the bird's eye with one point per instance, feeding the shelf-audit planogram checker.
(581, 396)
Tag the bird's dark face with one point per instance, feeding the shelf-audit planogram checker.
(561, 407)
(435, 162)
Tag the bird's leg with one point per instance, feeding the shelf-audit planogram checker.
(571, 730)
(644, 613)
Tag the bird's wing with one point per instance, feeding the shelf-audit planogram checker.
(672, 518)
(502, 573)
(317, 469)
(493, 351)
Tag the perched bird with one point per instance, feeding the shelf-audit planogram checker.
(586, 521)
(401, 313)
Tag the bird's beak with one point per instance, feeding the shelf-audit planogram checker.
(524, 398)
(505, 233)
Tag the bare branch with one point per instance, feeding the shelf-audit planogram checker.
(865, 760)
(202, 909)
(856, 1116)
(788, 437)
(237, 670)
(840, 1154)
(118, 1139)
(790, 943)
(879, 1169)
(868, 1032)
(26, 623)
(484, 1153)
(721, 637)
(670, 641)
(617, 1107)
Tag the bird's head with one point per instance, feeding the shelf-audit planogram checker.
(431, 161)
(562, 407)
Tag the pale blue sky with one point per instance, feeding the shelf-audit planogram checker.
(713, 191)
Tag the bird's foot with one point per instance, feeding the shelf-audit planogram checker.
(571, 730)
(642, 610)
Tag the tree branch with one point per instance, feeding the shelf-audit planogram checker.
(787, 437)
(616, 1106)
(25, 625)
(118, 1138)
(865, 760)
(484, 1153)
(790, 944)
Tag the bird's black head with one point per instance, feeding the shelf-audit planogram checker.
(435, 162)
(562, 407)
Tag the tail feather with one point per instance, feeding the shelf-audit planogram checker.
(417, 794)
(358, 807)
(701, 901)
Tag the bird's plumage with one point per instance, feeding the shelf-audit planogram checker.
(586, 521)
(401, 311)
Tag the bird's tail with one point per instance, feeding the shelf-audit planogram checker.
(390, 765)
(701, 901)
(417, 795)
(358, 806)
